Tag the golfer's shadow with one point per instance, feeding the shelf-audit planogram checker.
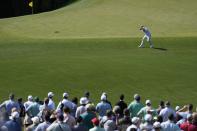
(162, 49)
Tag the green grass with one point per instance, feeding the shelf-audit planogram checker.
(92, 45)
(111, 65)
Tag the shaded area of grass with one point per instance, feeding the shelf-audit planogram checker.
(112, 65)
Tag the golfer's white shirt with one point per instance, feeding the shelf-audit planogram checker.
(146, 31)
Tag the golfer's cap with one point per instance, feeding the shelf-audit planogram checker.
(83, 100)
(35, 120)
(65, 94)
(103, 97)
(95, 121)
(30, 97)
(15, 115)
(135, 120)
(136, 96)
(148, 117)
(157, 125)
(50, 94)
(148, 102)
(133, 127)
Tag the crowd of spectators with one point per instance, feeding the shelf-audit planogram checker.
(68, 115)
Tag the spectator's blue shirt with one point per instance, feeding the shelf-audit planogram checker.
(13, 125)
(9, 104)
(102, 108)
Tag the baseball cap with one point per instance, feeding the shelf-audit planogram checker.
(83, 100)
(135, 120)
(35, 120)
(148, 102)
(95, 121)
(157, 125)
(65, 94)
(136, 97)
(103, 97)
(14, 115)
(50, 94)
(30, 97)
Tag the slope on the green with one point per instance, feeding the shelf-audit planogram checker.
(111, 65)
(108, 18)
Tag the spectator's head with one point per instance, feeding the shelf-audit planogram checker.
(36, 99)
(14, 115)
(189, 118)
(148, 102)
(47, 115)
(190, 107)
(126, 112)
(60, 117)
(171, 117)
(157, 126)
(137, 97)
(194, 119)
(133, 128)
(177, 108)
(109, 113)
(160, 119)
(35, 120)
(103, 97)
(20, 100)
(135, 120)
(46, 101)
(83, 101)
(66, 110)
(11, 96)
(161, 104)
(117, 110)
(87, 94)
(50, 95)
(122, 97)
(79, 119)
(75, 100)
(65, 95)
(167, 104)
(90, 108)
(95, 121)
(30, 98)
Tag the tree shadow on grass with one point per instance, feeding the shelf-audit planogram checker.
(162, 49)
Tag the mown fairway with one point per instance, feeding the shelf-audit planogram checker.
(112, 65)
(93, 45)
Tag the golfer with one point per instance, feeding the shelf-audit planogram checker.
(147, 36)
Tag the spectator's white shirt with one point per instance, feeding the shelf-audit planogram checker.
(66, 103)
(27, 104)
(170, 126)
(146, 126)
(166, 112)
(51, 104)
(80, 110)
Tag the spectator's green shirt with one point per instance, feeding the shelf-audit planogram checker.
(87, 117)
(134, 107)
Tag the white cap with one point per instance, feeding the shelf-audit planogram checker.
(65, 94)
(83, 100)
(148, 117)
(35, 120)
(14, 115)
(157, 125)
(135, 120)
(50, 94)
(104, 93)
(177, 108)
(30, 98)
(133, 127)
(148, 102)
(103, 97)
